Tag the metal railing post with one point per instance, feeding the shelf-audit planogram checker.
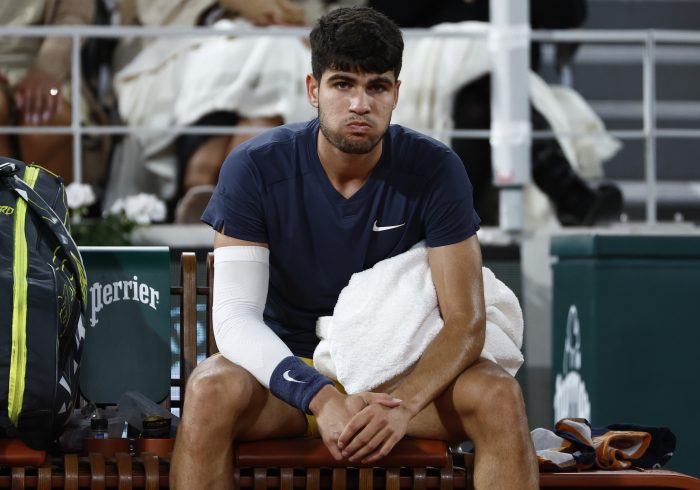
(509, 46)
(649, 73)
(76, 103)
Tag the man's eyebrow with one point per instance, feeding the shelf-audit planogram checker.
(381, 79)
(341, 76)
(350, 78)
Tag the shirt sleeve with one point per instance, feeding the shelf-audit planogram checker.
(236, 208)
(449, 208)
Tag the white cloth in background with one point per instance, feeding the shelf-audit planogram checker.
(387, 315)
(434, 69)
(176, 81)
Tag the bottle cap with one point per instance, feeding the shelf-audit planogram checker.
(156, 427)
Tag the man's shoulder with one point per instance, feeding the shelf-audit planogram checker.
(276, 154)
(280, 138)
(417, 153)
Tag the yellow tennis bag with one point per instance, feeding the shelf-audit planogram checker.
(42, 298)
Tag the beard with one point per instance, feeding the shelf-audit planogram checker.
(349, 144)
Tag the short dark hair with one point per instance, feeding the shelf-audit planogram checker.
(356, 39)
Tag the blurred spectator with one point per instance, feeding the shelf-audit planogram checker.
(200, 156)
(576, 202)
(205, 81)
(34, 76)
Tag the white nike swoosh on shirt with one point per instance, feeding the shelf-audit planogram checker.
(384, 228)
(286, 376)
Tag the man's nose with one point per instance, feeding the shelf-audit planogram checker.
(360, 103)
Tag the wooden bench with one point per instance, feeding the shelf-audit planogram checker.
(413, 464)
(296, 463)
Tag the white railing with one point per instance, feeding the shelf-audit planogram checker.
(647, 38)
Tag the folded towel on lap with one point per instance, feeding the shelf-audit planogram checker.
(387, 315)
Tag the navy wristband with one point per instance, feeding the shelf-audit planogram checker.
(296, 382)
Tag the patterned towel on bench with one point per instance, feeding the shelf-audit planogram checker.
(576, 445)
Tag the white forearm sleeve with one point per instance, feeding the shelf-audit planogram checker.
(240, 290)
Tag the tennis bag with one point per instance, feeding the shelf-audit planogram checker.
(42, 295)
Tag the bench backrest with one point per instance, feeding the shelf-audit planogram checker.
(189, 293)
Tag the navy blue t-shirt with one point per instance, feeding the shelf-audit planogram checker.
(273, 189)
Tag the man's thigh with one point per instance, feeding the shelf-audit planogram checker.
(449, 415)
(262, 415)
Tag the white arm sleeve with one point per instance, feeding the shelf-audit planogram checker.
(241, 276)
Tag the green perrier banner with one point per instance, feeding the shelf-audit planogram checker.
(127, 329)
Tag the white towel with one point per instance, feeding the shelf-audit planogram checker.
(387, 315)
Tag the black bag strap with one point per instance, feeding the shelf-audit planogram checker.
(8, 172)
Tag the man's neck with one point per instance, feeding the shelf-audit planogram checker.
(347, 172)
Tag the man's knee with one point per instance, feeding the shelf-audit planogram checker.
(216, 386)
(494, 400)
(504, 395)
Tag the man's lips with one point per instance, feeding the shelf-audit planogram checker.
(359, 126)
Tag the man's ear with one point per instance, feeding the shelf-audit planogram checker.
(312, 90)
(396, 95)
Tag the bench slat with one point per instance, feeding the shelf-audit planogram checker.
(299, 453)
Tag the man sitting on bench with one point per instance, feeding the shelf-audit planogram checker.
(297, 211)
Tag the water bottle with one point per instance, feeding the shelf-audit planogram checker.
(99, 428)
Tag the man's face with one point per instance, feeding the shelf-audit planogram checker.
(354, 109)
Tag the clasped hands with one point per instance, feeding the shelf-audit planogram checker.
(361, 428)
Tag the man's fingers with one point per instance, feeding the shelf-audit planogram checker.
(375, 439)
(372, 423)
(333, 449)
(382, 398)
(352, 428)
(389, 402)
(332, 444)
(381, 451)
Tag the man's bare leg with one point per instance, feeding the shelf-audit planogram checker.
(224, 402)
(485, 405)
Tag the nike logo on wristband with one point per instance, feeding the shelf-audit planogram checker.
(288, 377)
(384, 228)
